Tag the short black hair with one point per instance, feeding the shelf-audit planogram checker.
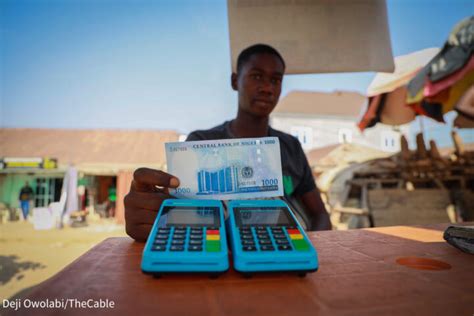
(245, 55)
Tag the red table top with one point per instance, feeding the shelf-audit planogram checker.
(358, 274)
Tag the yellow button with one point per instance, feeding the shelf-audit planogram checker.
(213, 237)
(296, 236)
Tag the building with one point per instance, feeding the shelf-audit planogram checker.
(320, 119)
(104, 159)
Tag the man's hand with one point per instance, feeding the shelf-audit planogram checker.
(148, 190)
(320, 217)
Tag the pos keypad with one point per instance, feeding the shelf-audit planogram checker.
(187, 238)
(272, 238)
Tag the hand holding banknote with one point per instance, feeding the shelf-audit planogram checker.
(148, 190)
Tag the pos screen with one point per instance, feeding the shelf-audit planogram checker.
(189, 216)
(273, 216)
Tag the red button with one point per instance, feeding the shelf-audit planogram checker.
(212, 232)
(293, 231)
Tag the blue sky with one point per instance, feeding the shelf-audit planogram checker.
(154, 64)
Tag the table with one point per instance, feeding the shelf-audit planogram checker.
(358, 275)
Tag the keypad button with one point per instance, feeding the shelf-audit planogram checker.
(161, 236)
(265, 242)
(260, 236)
(158, 248)
(279, 236)
(282, 241)
(249, 248)
(277, 229)
(195, 242)
(284, 247)
(245, 231)
(301, 245)
(196, 230)
(179, 236)
(195, 248)
(180, 231)
(213, 246)
(267, 248)
(177, 242)
(213, 237)
(248, 242)
(163, 230)
(195, 236)
(160, 242)
(177, 248)
(247, 237)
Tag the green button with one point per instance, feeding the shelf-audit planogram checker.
(300, 244)
(213, 245)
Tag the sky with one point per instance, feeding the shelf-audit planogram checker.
(155, 64)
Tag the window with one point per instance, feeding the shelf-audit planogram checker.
(345, 136)
(304, 135)
(48, 190)
(389, 141)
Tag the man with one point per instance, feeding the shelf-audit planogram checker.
(260, 70)
(26, 194)
(112, 198)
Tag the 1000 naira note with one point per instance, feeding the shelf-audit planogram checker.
(227, 169)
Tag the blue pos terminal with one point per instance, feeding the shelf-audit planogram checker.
(187, 236)
(265, 236)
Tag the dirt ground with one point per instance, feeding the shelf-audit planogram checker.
(29, 256)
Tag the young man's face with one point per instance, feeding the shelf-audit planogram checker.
(259, 84)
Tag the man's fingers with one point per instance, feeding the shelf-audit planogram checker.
(139, 216)
(146, 179)
(138, 232)
(148, 190)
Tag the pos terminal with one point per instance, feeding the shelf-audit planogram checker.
(265, 236)
(187, 236)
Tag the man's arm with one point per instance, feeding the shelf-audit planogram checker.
(314, 204)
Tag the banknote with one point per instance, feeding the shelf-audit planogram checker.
(228, 169)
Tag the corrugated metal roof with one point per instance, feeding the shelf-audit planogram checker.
(338, 103)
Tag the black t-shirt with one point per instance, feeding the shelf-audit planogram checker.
(297, 176)
(25, 193)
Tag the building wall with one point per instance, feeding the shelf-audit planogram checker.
(317, 131)
(124, 180)
(10, 186)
